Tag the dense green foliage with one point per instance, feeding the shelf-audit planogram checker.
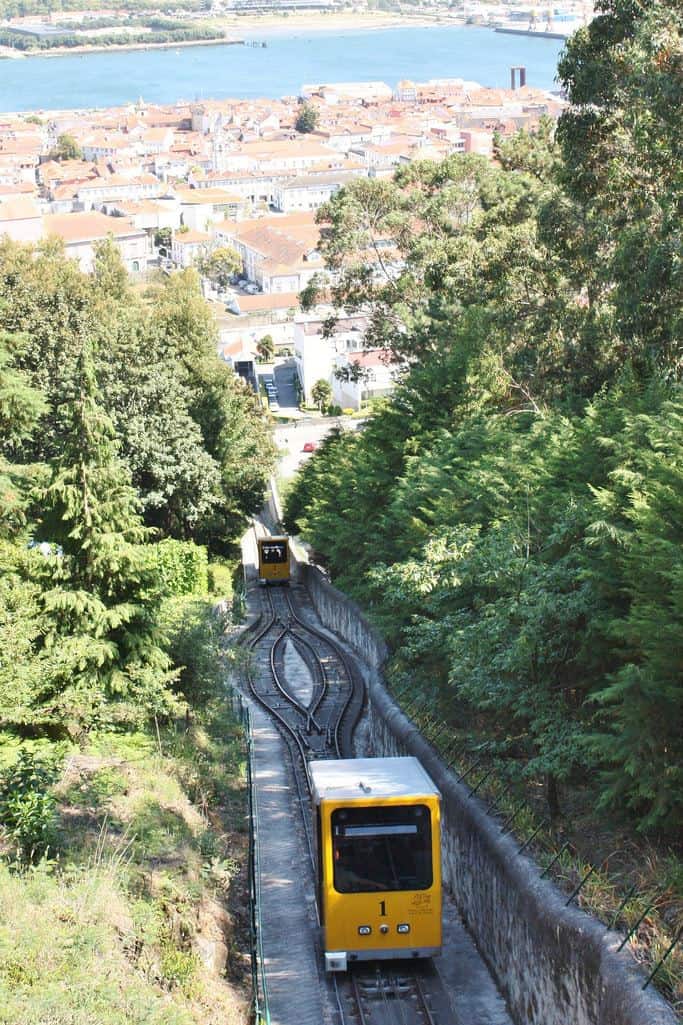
(307, 119)
(177, 33)
(513, 517)
(28, 8)
(220, 265)
(126, 446)
(67, 148)
(27, 803)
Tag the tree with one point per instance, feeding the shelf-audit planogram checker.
(220, 265)
(307, 119)
(163, 238)
(109, 273)
(100, 597)
(321, 393)
(266, 348)
(621, 141)
(49, 301)
(178, 481)
(353, 372)
(67, 148)
(637, 536)
(21, 406)
(233, 431)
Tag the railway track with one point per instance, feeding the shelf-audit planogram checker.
(385, 997)
(319, 728)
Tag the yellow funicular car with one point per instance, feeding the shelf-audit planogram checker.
(273, 560)
(377, 827)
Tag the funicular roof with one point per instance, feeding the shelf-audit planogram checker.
(368, 779)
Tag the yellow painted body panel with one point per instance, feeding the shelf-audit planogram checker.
(276, 571)
(343, 913)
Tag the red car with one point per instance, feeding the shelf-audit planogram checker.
(310, 446)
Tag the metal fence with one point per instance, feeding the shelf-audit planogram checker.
(259, 985)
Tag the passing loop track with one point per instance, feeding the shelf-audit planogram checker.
(378, 994)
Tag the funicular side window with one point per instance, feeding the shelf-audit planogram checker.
(274, 552)
(382, 848)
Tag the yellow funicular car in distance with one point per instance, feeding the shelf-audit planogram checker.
(377, 828)
(273, 560)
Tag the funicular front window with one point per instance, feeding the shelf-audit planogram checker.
(382, 848)
(275, 551)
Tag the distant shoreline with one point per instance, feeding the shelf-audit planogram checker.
(251, 26)
(269, 24)
(66, 51)
(530, 32)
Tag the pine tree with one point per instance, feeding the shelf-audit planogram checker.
(20, 407)
(101, 598)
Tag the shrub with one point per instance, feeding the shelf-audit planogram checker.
(194, 635)
(27, 807)
(182, 567)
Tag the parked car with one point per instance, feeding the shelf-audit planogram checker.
(310, 446)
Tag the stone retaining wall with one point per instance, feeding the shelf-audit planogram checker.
(554, 964)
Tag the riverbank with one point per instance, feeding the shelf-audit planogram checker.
(349, 22)
(540, 33)
(237, 29)
(71, 51)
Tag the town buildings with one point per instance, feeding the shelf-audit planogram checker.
(171, 184)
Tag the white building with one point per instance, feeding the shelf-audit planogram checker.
(279, 252)
(316, 356)
(81, 231)
(117, 187)
(333, 92)
(21, 219)
(359, 376)
(187, 247)
(308, 192)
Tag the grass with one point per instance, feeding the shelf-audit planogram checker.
(148, 874)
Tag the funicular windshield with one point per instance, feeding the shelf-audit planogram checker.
(274, 551)
(382, 848)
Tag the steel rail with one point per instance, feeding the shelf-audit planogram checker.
(350, 680)
(304, 710)
(349, 670)
(422, 998)
(324, 685)
(355, 989)
(399, 1008)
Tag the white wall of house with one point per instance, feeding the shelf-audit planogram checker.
(197, 215)
(135, 251)
(21, 229)
(185, 254)
(277, 282)
(378, 380)
(92, 195)
(281, 280)
(315, 356)
(282, 334)
(309, 197)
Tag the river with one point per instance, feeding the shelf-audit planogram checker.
(289, 60)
